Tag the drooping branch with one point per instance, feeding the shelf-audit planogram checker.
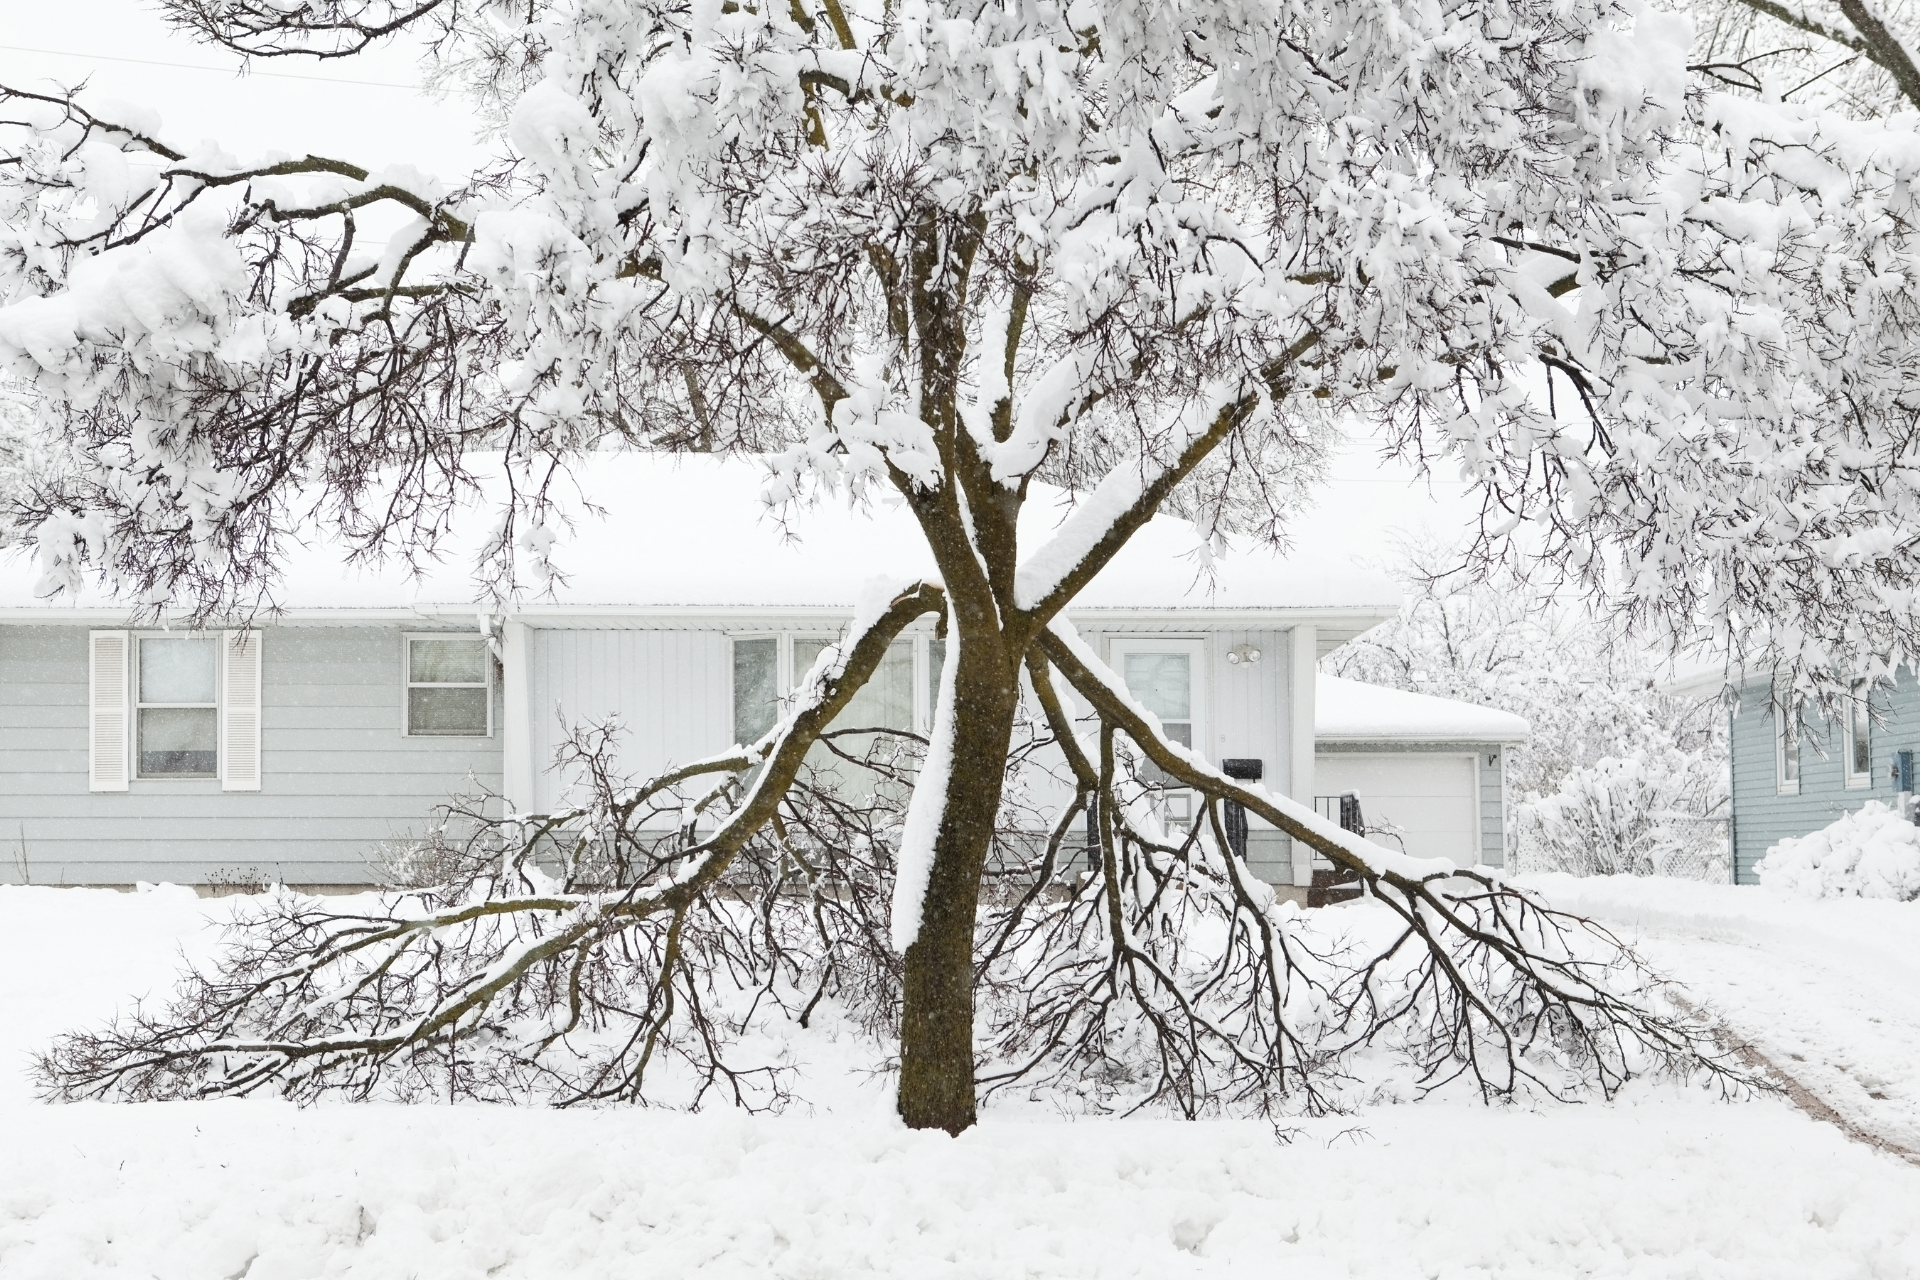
(1499, 960)
(271, 1023)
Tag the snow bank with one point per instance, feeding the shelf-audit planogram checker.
(263, 1190)
(1871, 853)
(1670, 1184)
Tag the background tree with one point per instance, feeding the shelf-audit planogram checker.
(1619, 776)
(952, 250)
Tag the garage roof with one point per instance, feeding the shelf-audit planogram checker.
(1350, 711)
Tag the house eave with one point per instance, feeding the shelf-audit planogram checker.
(1353, 744)
(1354, 618)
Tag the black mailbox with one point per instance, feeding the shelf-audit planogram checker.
(1240, 770)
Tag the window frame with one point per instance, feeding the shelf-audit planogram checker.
(785, 674)
(1859, 695)
(1198, 691)
(408, 684)
(136, 704)
(782, 661)
(1784, 785)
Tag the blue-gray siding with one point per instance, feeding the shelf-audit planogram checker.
(1762, 816)
(339, 776)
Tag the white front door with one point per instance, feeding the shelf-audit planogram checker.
(1167, 676)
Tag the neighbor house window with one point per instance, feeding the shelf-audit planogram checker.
(177, 716)
(885, 701)
(449, 687)
(1859, 735)
(1786, 739)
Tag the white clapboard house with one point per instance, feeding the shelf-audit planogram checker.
(299, 748)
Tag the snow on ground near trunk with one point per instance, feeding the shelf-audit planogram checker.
(1828, 989)
(1669, 1185)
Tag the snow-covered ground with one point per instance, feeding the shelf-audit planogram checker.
(1667, 1183)
(1828, 990)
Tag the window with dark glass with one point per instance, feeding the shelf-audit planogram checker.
(178, 714)
(449, 687)
(1859, 735)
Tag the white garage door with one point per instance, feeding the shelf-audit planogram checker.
(1428, 801)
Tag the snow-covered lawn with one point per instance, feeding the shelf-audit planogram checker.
(1664, 1184)
(1828, 990)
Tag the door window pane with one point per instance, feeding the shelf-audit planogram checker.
(179, 742)
(756, 693)
(177, 671)
(1163, 684)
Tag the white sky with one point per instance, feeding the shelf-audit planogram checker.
(369, 110)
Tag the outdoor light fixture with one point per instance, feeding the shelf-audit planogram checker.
(1243, 653)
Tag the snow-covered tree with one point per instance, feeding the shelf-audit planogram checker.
(21, 455)
(1620, 776)
(952, 249)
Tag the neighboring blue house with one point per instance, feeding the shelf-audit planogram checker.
(1788, 784)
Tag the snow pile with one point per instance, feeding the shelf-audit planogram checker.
(1871, 853)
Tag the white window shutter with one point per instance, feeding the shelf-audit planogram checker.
(107, 710)
(240, 712)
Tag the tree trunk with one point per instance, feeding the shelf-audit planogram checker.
(936, 1022)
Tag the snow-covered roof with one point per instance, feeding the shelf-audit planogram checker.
(1350, 711)
(693, 532)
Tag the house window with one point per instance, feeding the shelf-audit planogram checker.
(177, 716)
(1859, 735)
(1786, 746)
(449, 687)
(765, 669)
(885, 701)
(756, 687)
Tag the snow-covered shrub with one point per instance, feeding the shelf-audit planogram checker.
(1628, 815)
(1870, 853)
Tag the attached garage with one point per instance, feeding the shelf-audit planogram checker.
(1424, 803)
(1428, 773)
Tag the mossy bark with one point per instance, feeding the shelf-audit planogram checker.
(936, 1024)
